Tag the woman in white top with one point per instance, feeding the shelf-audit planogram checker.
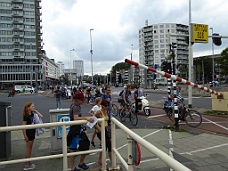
(92, 112)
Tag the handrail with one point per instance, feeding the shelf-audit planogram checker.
(171, 162)
(64, 142)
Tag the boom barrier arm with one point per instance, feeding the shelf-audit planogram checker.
(173, 77)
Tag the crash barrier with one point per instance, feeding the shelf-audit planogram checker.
(171, 162)
(220, 103)
(64, 154)
(173, 77)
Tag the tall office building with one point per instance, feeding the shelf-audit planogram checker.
(78, 65)
(60, 68)
(20, 42)
(154, 47)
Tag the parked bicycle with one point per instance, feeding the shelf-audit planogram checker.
(129, 113)
(191, 117)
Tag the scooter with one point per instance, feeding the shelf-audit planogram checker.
(143, 105)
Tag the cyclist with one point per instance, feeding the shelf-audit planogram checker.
(125, 98)
(180, 101)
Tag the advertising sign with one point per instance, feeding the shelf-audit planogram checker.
(63, 118)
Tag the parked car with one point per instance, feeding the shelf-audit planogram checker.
(84, 85)
(24, 88)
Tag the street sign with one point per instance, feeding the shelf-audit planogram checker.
(199, 33)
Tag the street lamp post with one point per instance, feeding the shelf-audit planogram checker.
(71, 69)
(91, 52)
(213, 60)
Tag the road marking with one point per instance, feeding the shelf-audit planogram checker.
(142, 137)
(171, 150)
(204, 149)
(216, 124)
(156, 116)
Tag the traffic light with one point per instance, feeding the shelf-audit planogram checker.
(166, 67)
(187, 40)
(216, 40)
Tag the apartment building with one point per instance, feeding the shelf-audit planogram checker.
(154, 47)
(21, 57)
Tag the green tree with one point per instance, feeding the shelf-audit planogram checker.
(117, 67)
(223, 62)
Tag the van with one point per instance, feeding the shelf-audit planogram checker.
(24, 88)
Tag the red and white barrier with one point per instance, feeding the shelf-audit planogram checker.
(173, 77)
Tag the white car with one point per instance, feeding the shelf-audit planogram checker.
(24, 88)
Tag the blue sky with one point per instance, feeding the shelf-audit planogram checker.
(67, 24)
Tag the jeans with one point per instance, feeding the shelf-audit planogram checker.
(58, 102)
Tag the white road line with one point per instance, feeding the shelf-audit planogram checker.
(156, 116)
(171, 150)
(142, 137)
(216, 124)
(204, 149)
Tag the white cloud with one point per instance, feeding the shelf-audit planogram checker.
(67, 24)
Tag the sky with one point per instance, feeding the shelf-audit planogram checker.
(115, 23)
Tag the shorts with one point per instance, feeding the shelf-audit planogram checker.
(30, 134)
(74, 143)
(123, 103)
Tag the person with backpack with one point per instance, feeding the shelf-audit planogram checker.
(77, 138)
(125, 98)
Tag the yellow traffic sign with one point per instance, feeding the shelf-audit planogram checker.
(199, 33)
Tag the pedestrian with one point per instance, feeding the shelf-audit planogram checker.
(102, 89)
(103, 113)
(58, 94)
(107, 96)
(92, 112)
(76, 132)
(29, 134)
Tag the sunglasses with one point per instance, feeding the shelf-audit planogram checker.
(105, 105)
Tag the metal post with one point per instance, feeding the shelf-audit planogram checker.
(213, 59)
(31, 66)
(190, 60)
(91, 52)
(70, 69)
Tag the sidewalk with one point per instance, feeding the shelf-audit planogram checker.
(199, 152)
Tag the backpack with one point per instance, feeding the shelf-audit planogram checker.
(121, 93)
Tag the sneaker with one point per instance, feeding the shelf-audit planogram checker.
(75, 169)
(83, 166)
(30, 167)
(93, 144)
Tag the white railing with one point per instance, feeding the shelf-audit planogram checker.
(64, 155)
(171, 162)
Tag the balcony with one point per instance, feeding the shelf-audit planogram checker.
(17, 1)
(17, 14)
(18, 29)
(18, 36)
(17, 8)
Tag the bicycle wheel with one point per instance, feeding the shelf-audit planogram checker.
(193, 118)
(133, 117)
(114, 110)
(170, 114)
(122, 116)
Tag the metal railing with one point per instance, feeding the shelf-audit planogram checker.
(64, 154)
(129, 165)
(171, 162)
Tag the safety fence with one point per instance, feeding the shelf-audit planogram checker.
(129, 165)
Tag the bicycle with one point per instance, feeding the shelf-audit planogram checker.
(129, 113)
(114, 110)
(191, 117)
